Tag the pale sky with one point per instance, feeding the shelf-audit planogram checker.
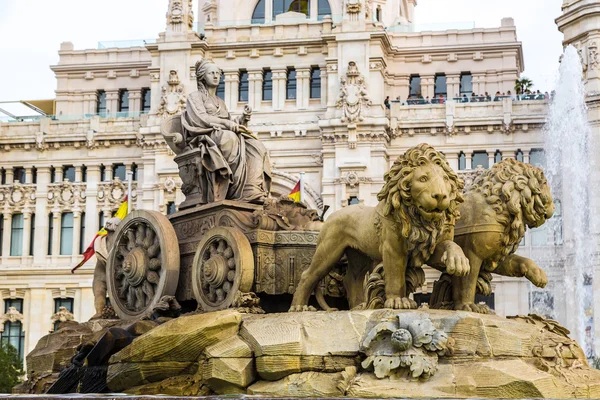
(31, 32)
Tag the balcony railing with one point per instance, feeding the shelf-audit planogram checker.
(438, 27)
(123, 44)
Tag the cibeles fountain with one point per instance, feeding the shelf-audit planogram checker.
(222, 297)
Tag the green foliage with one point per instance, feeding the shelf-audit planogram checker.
(10, 367)
(522, 85)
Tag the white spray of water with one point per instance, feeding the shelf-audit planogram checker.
(568, 162)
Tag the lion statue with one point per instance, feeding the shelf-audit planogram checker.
(498, 207)
(412, 225)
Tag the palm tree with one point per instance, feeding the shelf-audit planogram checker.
(522, 85)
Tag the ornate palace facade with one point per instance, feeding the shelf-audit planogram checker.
(316, 74)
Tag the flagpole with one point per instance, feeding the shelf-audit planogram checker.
(301, 187)
(129, 182)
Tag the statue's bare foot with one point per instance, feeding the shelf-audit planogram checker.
(472, 307)
(456, 262)
(301, 308)
(400, 303)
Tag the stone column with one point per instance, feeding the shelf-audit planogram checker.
(268, 12)
(10, 176)
(90, 100)
(108, 173)
(56, 220)
(403, 87)
(91, 202)
(28, 175)
(469, 160)
(428, 86)
(40, 250)
(255, 79)
(78, 173)
(491, 155)
(453, 85)
(452, 160)
(135, 101)
(302, 87)
(58, 174)
(112, 102)
(76, 233)
(7, 234)
(37, 310)
(232, 81)
(324, 79)
(26, 236)
(479, 82)
(525, 156)
(314, 9)
(279, 79)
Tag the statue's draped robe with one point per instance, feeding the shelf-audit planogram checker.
(239, 160)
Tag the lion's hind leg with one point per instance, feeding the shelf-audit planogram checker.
(329, 251)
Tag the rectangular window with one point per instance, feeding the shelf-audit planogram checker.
(19, 175)
(50, 233)
(536, 157)
(440, 85)
(146, 100)
(32, 235)
(123, 100)
(101, 104)
(243, 86)
(66, 234)
(171, 208)
(283, 6)
(539, 236)
(16, 235)
(415, 86)
(221, 88)
(267, 89)
(497, 157)
(519, 156)
(119, 172)
(82, 244)
(466, 83)
(66, 303)
(480, 158)
(315, 83)
(462, 161)
(83, 173)
(13, 331)
(291, 84)
(69, 173)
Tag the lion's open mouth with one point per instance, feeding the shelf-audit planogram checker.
(433, 213)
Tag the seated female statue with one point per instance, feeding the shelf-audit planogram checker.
(234, 163)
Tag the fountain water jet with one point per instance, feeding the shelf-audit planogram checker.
(568, 167)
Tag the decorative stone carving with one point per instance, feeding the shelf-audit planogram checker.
(353, 6)
(17, 195)
(353, 97)
(409, 342)
(170, 185)
(469, 176)
(593, 57)
(175, 14)
(352, 179)
(63, 315)
(12, 315)
(40, 141)
(66, 194)
(172, 99)
(89, 138)
(111, 194)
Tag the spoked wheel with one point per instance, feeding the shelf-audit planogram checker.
(143, 265)
(223, 265)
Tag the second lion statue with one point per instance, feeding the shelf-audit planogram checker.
(413, 224)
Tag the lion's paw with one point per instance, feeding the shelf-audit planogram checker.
(456, 262)
(400, 303)
(302, 308)
(537, 276)
(476, 308)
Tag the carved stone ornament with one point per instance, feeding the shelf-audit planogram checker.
(17, 195)
(593, 58)
(175, 14)
(353, 97)
(40, 141)
(469, 176)
(111, 194)
(352, 179)
(410, 342)
(63, 315)
(66, 194)
(170, 185)
(173, 99)
(353, 6)
(12, 315)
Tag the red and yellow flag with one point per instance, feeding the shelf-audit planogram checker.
(89, 252)
(295, 193)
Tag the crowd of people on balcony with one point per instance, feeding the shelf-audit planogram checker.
(473, 98)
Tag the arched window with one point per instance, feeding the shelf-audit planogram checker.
(258, 16)
(324, 9)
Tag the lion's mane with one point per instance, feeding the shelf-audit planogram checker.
(514, 191)
(422, 236)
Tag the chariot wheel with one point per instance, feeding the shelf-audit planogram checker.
(143, 265)
(223, 265)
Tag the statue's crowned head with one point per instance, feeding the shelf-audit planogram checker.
(208, 74)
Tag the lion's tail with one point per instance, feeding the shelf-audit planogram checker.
(321, 299)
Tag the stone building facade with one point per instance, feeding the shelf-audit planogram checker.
(316, 74)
